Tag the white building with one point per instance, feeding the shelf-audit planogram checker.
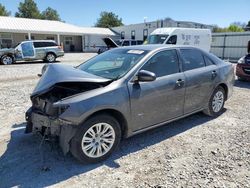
(142, 30)
(73, 38)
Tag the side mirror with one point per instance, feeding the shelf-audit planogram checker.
(145, 76)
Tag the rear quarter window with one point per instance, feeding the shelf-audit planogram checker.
(208, 61)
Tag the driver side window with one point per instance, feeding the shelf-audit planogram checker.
(163, 63)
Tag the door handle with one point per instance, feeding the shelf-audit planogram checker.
(214, 74)
(180, 82)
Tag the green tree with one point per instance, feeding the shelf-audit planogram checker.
(235, 28)
(239, 24)
(28, 9)
(3, 11)
(50, 14)
(108, 19)
(231, 28)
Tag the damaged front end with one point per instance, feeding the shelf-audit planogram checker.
(43, 116)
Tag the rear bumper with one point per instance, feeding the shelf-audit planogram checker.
(243, 71)
(60, 54)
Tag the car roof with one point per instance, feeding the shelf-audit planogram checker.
(151, 47)
(39, 41)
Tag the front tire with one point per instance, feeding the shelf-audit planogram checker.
(6, 60)
(50, 58)
(96, 139)
(216, 102)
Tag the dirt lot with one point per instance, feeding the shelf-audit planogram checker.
(197, 151)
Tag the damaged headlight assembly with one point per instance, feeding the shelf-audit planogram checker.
(61, 110)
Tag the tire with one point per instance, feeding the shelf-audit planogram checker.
(92, 149)
(6, 60)
(216, 102)
(50, 58)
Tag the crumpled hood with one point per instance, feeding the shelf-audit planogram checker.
(58, 73)
(4, 50)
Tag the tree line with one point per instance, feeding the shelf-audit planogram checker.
(233, 27)
(29, 9)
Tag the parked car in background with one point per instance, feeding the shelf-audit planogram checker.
(200, 38)
(110, 43)
(46, 50)
(243, 66)
(123, 92)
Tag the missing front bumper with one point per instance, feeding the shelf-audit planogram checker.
(38, 123)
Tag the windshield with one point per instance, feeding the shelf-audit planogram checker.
(156, 39)
(14, 46)
(113, 64)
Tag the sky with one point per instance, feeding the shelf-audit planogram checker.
(86, 12)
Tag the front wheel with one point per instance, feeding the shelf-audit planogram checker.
(96, 139)
(216, 102)
(6, 60)
(50, 58)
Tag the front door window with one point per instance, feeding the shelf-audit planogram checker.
(28, 49)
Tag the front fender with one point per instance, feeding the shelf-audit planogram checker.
(84, 105)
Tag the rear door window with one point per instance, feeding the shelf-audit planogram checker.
(38, 44)
(44, 44)
(192, 59)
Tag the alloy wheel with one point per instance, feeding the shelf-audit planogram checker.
(50, 58)
(218, 101)
(7, 60)
(98, 140)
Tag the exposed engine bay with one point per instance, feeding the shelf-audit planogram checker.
(43, 117)
(43, 103)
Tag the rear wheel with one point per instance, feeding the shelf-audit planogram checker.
(50, 58)
(216, 102)
(6, 60)
(96, 139)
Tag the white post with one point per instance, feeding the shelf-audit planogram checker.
(29, 36)
(58, 40)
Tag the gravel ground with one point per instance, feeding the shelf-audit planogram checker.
(27, 71)
(197, 151)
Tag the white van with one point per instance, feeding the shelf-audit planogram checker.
(200, 38)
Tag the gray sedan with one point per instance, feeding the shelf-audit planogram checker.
(123, 92)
